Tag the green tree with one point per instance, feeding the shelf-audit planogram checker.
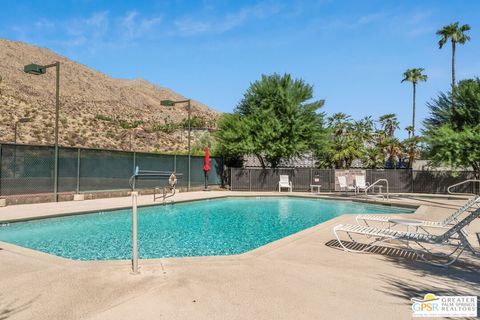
(452, 134)
(203, 140)
(414, 76)
(385, 138)
(411, 149)
(393, 150)
(374, 157)
(273, 121)
(456, 34)
(389, 124)
(348, 139)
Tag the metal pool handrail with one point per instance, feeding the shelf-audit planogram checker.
(149, 174)
(375, 183)
(459, 184)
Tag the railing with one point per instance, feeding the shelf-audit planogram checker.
(459, 184)
(374, 184)
(152, 174)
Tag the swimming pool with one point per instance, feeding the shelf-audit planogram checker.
(202, 228)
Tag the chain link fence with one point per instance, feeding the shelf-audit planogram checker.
(399, 180)
(29, 170)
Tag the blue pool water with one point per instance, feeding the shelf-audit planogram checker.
(202, 228)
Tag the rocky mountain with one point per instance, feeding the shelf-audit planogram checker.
(97, 111)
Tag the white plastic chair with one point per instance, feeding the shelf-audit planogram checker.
(360, 184)
(284, 183)
(342, 181)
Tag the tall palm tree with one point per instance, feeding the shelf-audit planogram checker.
(455, 34)
(414, 76)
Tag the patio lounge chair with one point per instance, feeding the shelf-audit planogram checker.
(284, 182)
(453, 218)
(454, 237)
(342, 181)
(360, 184)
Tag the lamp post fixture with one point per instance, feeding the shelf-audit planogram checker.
(36, 69)
(170, 103)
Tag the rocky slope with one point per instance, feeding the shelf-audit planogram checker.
(97, 111)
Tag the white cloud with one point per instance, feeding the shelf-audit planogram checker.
(96, 30)
(191, 25)
(133, 26)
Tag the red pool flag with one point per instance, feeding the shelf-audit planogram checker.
(206, 166)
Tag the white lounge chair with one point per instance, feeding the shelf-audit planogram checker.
(360, 184)
(453, 218)
(285, 183)
(455, 236)
(342, 181)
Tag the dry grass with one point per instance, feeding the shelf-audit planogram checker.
(93, 105)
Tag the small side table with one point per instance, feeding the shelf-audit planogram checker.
(408, 223)
(378, 187)
(318, 186)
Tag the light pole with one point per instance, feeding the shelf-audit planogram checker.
(38, 70)
(170, 103)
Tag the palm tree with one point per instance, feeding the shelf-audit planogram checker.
(374, 158)
(393, 150)
(389, 124)
(362, 130)
(410, 146)
(414, 76)
(409, 130)
(340, 123)
(457, 35)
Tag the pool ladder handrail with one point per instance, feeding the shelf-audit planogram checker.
(165, 194)
(461, 183)
(375, 183)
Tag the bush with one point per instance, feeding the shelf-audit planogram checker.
(167, 127)
(103, 118)
(129, 125)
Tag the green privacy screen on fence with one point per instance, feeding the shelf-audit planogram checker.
(26, 169)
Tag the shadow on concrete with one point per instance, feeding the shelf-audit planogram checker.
(12, 307)
(381, 250)
(406, 290)
(460, 278)
(400, 255)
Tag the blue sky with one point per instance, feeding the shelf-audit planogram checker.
(353, 52)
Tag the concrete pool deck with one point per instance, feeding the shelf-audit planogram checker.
(303, 276)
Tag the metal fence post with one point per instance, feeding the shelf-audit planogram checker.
(412, 177)
(311, 178)
(134, 160)
(175, 163)
(250, 179)
(78, 170)
(1, 161)
(330, 179)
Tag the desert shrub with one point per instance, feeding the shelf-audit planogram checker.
(103, 117)
(129, 124)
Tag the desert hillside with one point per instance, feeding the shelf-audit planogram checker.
(97, 111)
